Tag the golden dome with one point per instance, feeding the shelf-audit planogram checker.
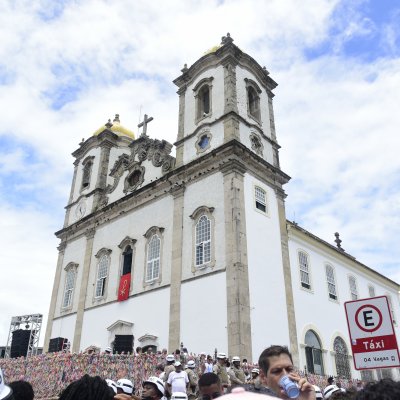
(213, 49)
(115, 127)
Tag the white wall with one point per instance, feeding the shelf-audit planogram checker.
(64, 327)
(208, 192)
(133, 224)
(269, 323)
(149, 312)
(203, 314)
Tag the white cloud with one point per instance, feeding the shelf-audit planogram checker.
(335, 117)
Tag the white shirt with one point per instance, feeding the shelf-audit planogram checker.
(178, 381)
(208, 367)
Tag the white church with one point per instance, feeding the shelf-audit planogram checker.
(159, 249)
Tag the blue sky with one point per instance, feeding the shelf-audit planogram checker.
(68, 66)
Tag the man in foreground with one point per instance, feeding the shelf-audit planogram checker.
(276, 362)
(209, 386)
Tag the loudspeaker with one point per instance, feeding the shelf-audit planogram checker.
(20, 343)
(57, 344)
(123, 343)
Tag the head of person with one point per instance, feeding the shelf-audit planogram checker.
(178, 366)
(138, 350)
(153, 389)
(330, 380)
(255, 372)
(108, 350)
(6, 392)
(170, 359)
(177, 352)
(164, 352)
(275, 362)
(210, 386)
(87, 388)
(159, 369)
(330, 390)
(191, 364)
(236, 361)
(221, 358)
(112, 385)
(125, 386)
(22, 390)
(209, 359)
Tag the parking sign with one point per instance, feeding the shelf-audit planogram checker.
(371, 331)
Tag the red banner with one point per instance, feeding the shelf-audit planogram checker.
(124, 286)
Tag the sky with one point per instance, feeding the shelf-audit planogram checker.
(66, 67)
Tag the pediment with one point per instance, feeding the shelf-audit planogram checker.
(118, 324)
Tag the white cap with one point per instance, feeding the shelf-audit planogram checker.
(156, 381)
(170, 357)
(329, 390)
(108, 349)
(126, 385)
(112, 385)
(177, 363)
(221, 355)
(191, 364)
(255, 371)
(5, 391)
(318, 393)
(236, 359)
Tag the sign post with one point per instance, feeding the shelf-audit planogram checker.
(371, 331)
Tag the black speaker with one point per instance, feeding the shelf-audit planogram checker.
(123, 343)
(57, 344)
(20, 343)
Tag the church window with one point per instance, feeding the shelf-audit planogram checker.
(353, 288)
(127, 260)
(134, 178)
(203, 141)
(304, 270)
(371, 291)
(203, 95)
(256, 144)
(253, 99)
(87, 171)
(203, 238)
(260, 196)
(203, 241)
(313, 353)
(330, 280)
(102, 274)
(367, 375)
(70, 278)
(341, 358)
(153, 258)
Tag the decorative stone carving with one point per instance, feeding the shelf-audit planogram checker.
(117, 170)
(256, 144)
(135, 178)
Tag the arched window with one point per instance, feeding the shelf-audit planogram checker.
(203, 254)
(203, 241)
(304, 267)
(70, 277)
(153, 258)
(253, 99)
(203, 96)
(353, 288)
(341, 358)
(371, 291)
(313, 353)
(330, 280)
(87, 171)
(102, 274)
(127, 260)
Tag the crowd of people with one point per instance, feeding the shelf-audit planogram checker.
(176, 376)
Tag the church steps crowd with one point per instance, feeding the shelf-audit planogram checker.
(50, 374)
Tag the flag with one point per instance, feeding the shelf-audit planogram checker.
(124, 286)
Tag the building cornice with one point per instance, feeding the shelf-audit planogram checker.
(210, 163)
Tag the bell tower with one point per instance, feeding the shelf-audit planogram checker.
(225, 95)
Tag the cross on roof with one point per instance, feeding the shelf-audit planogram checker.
(144, 124)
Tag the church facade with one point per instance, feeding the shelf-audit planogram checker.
(196, 248)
